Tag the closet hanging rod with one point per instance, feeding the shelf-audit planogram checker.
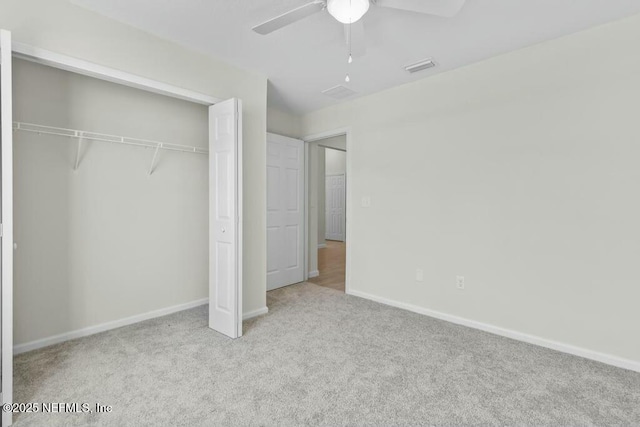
(103, 137)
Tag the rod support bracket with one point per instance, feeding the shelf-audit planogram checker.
(80, 137)
(153, 160)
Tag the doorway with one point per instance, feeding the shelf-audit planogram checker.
(300, 174)
(328, 173)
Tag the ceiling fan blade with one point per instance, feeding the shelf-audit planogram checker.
(446, 8)
(289, 17)
(358, 44)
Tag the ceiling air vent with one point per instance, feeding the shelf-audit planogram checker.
(339, 92)
(419, 66)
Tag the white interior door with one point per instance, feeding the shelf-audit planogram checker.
(225, 218)
(6, 213)
(335, 207)
(285, 211)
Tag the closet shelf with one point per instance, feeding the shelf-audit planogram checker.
(83, 135)
(95, 136)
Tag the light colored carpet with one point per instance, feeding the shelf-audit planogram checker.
(321, 357)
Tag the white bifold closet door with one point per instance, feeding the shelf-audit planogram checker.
(6, 230)
(225, 218)
(285, 211)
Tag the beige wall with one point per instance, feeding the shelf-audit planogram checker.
(338, 142)
(335, 162)
(282, 123)
(322, 218)
(58, 26)
(314, 174)
(519, 173)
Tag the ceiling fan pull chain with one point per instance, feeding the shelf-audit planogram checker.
(350, 60)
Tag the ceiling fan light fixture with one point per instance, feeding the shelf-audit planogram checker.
(347, 11)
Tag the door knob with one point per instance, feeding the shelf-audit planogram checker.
(223, 230)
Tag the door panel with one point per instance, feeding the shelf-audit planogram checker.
(291, 237)
(285, 213)
(6, 213)
(335, 207)
(225, 213)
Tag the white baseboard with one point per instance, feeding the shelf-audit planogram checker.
(84, 332)
(255, 313)
(322, 245)
(619, 362)
(314, 273)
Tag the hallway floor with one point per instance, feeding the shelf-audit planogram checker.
(332, 266)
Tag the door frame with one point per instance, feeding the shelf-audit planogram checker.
(6, 230)
(346, 131)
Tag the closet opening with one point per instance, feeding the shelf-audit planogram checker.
(112, 204)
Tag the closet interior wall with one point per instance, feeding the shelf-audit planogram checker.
(106, 241)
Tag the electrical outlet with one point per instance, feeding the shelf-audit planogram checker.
(460, 282)
(366, 201)
(419, 275)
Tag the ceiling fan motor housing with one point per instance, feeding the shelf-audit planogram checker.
(347, 11)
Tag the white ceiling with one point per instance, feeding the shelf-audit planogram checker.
(309, 56)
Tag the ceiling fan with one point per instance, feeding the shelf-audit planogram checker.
(349, 12)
